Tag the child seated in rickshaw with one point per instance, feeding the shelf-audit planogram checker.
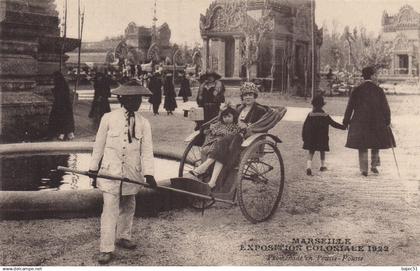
(226, 149)
(226, 125)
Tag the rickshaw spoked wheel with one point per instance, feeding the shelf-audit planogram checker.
(260, 181)
(191, 158)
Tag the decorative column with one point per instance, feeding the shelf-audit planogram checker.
(221, 57)
(392, 72)
(205, 53)
(410, 65)
(238, 57)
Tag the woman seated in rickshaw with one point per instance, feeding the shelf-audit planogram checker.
(226, 149)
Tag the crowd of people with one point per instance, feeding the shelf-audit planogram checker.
(61, 121)
(367, 115)
(123, 144)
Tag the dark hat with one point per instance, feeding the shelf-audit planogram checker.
(209, 73)
(132, 87)
(318, 101)
(367, 72)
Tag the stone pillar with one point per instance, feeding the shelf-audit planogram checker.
(205, 54)
(410, 65)
(391, 71)
(30, 49)
(238, 57)
(221, 58)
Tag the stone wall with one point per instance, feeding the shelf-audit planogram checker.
(30, 49)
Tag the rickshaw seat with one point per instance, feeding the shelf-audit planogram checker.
(191, 136)
(247, 142)
(198, 132)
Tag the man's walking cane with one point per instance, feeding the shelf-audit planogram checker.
(393, 151)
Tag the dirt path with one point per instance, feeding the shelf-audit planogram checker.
(374, 211)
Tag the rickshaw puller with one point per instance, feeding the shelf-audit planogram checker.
(123, 147)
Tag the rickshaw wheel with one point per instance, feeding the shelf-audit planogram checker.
(191, 158)
(260, 181)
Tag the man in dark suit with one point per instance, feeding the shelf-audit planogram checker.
(155, 86)
(369, 117)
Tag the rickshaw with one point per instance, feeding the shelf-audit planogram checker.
(256, 180)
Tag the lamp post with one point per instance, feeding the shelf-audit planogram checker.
(313, 46)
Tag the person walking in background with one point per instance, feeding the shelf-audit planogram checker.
(155, 86)
(100, 104)
(139, 71)
(369, 118)
(315, 133)
(185, 90)
(61, 120)
(211, 94)
(169, 92)
(330, 80)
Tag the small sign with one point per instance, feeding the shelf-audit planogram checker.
(196, 114)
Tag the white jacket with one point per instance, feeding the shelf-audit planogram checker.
(119, 157)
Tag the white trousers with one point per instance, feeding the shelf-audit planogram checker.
(116, 219)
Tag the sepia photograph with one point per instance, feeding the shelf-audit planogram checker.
(156, 133)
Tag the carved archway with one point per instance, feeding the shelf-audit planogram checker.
(197, 58)
(153, 53)
(133, 57)
(110, 58)
(121, 51)
(401, 43)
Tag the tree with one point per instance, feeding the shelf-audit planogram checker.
(367, 50)
(254, 32)
(332, 49)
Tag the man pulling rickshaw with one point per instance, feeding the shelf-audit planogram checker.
(122, 160)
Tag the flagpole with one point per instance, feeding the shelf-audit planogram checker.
(81, 19)
(64, 35)
(79, 49)
(313, 47)
(78, 19)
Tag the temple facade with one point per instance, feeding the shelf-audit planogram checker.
(137, 46)
(284, 56)
(402, 32)
(145, 43)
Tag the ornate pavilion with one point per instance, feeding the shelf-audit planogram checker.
(135, 45)
(402, 33)
(285, 54)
